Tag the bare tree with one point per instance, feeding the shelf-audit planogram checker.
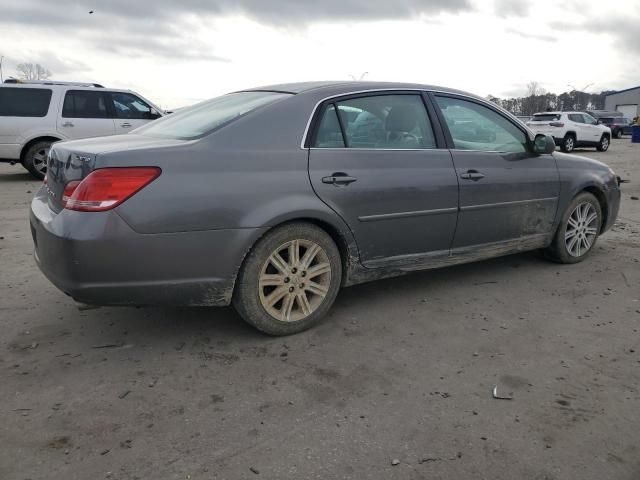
(32, 71)
(536, 100)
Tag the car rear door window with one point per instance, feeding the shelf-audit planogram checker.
(84, 104)
(24, 102)
(476, 127)
(128, 106)
(329, 134)
(386, 122)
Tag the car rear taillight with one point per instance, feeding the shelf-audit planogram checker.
(556, 124)
(69, 188)
(106, 188)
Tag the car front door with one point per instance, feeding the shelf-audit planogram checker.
(131, 112)
(85, 114)
(508, 195)
(376, 161)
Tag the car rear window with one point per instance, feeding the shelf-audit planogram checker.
(24, 102)
(203, 118)
(545, 117)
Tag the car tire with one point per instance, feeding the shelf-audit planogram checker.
(289, 280)
(618, 133)
(568, 143)
(35, 158)
(578, 230)
(603, 146)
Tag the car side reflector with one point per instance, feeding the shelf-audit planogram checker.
(106, 188)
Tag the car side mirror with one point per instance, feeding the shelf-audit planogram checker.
(153, 114)
(544, 144)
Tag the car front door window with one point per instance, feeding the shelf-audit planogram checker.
(475, 127)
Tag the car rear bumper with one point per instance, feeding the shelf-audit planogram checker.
(97, 259)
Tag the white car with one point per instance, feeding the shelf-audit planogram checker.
(571, 130)
(35, 114)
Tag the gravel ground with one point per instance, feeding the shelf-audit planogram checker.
(395, 384)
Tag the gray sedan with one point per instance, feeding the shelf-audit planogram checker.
(273, 198)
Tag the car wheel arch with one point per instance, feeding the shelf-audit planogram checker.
(597, 192)
(342, 237)
(41, 138)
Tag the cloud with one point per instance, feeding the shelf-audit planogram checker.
(532, 36)
(625, 29)
(162, 28)
(265, 11)
(508, 8)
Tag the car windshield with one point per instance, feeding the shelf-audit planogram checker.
(203, 118)
(545, 117)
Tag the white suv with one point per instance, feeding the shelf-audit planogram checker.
(571, 130)
(35, 114)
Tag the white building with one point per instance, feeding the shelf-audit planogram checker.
(625, 101)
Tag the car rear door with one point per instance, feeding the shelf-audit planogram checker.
(84, 114)
(592, 128)
(583, 134)
(377, 161)
(130, 111)
(507, 193)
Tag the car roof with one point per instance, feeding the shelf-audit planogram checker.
(57, 86)
(350, 86)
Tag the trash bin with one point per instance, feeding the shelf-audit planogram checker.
(635, 133)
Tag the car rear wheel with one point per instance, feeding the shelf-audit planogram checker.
(35, 159)
(578, 231)
(603, 146)
(568, 144)
(289, 280)
(618, 133)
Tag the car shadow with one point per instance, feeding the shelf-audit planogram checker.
(189, 325)
(17, 176)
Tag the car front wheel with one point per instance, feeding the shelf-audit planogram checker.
(578, 232)
(568, 144)
(618, 133)
(603, 146)
(289, 280)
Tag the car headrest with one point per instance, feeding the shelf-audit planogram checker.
(401, 118)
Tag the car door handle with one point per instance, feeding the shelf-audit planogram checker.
(67, 124)
(338, 179)
(472, 175)
(125, 125)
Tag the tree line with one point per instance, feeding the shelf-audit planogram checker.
(537, 99)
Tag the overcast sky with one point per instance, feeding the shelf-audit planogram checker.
(179, 52)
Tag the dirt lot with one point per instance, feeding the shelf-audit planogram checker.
(402, 370)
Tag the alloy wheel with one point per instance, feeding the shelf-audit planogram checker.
(40, 159)
(568, 143)
(604, 143)
(582, 229)
(294, 280)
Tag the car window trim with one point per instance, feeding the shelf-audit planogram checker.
(310, 133)
(450, 144)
